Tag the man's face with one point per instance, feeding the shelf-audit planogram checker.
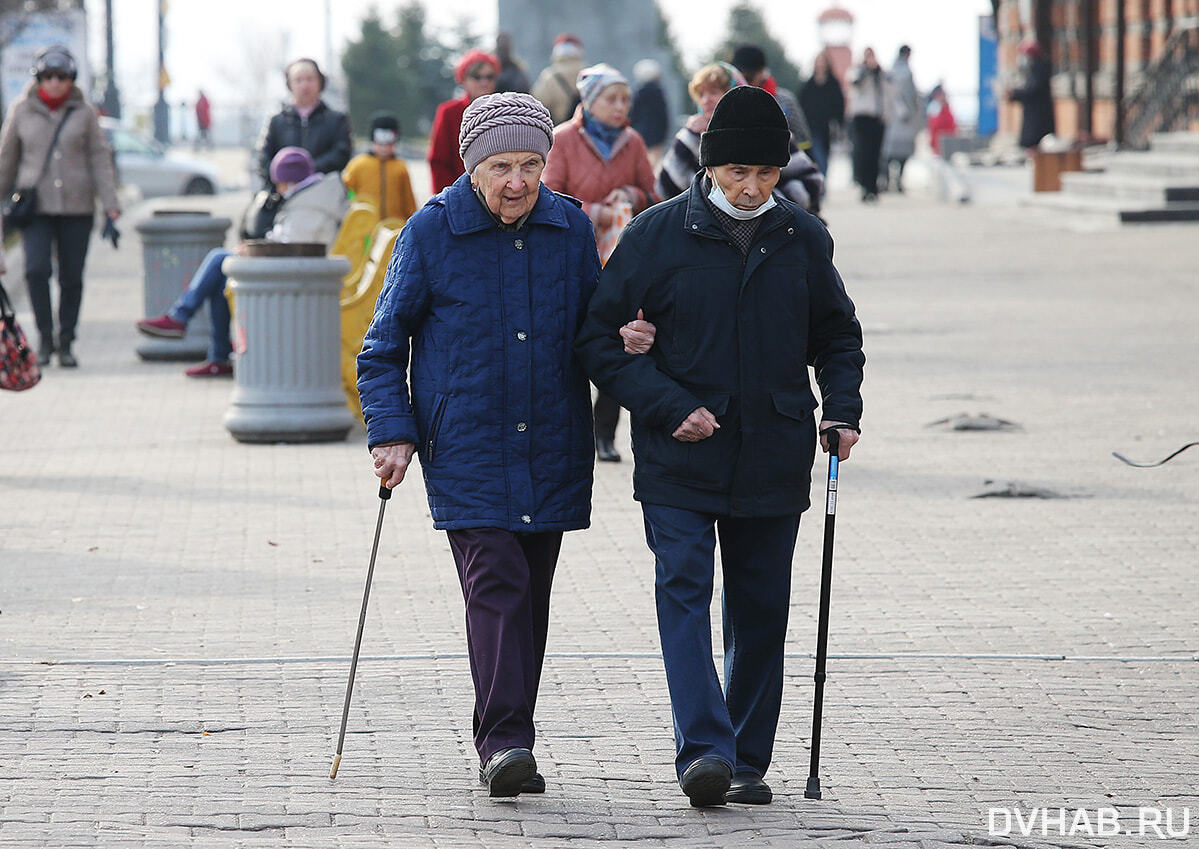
(510, 183)
(746, 186)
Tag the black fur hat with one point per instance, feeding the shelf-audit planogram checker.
(747, 128)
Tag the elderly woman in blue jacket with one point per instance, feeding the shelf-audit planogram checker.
(486, 289)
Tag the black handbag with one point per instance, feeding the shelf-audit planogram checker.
(259, 216)
(20, 207)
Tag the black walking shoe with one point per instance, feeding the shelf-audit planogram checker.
(66, 359)
(605, 451)
(706, 781)
(45, 350)
(748, 789)
(536, 784)
(506, 772)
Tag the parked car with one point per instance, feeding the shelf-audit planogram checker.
(144, 163)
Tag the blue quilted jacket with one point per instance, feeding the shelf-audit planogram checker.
(498, 406)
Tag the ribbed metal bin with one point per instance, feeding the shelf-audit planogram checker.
(287, 343)
(173, 245)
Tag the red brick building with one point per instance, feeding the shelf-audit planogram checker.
(1101, 91)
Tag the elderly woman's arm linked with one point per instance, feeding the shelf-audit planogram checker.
(383, 363)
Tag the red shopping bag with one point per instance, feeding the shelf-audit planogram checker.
(18, 363)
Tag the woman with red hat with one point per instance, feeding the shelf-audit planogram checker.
(476, 73)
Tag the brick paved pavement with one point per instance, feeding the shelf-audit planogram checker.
(176, 608)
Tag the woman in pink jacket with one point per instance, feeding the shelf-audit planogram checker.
(599, 159)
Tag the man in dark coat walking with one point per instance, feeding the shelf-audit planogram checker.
(1036, 96)
(741, 287)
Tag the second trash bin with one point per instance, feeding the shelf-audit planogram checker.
(174, 243)
(287, 339)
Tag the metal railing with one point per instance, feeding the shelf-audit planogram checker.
(1168, 96)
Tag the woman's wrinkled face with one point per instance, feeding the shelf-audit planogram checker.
(612, 105)
(54, 83)
(746, 186)
(708, 98)
(479, 80)
(304, 84)
(510, 183)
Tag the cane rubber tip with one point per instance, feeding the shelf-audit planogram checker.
(813, 789)
(336, 764)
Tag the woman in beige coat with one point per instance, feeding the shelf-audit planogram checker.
(67, 181)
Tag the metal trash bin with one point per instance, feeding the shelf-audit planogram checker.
(174, 243)
(287, 344)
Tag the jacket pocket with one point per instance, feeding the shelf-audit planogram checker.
(711, 463)
(430, 447)
(794, 404)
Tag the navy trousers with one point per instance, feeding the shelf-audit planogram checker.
(506, 579)
(65, 238)
(737, 724)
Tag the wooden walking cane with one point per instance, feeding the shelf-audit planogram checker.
(384, 495)
(826, 579)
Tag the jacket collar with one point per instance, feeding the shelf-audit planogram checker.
(75, 99)
(466, 215)
(700, 221)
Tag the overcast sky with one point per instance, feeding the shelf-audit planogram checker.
(224, 46)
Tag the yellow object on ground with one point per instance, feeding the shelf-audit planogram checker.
(354, 240)
(358, 307)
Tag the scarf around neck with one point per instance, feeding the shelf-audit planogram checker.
(603, 135)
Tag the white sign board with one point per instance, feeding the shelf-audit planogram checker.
(35, 30)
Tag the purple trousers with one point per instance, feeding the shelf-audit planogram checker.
(506, 579)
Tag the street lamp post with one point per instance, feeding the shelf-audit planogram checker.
(112, 97)
(162, 112)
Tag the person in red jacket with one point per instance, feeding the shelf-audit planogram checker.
(476, 73)
(940, 119)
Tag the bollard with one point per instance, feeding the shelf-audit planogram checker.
(174, 242)
(287, 339)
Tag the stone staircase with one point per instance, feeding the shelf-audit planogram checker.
(1156, 186)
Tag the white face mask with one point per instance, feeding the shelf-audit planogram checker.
(722, 203)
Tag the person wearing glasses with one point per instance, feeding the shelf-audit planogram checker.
(476, 73)
(67, 174)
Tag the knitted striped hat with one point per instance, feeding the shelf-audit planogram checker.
(592, 81)
(504, 123)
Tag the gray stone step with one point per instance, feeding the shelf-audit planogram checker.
(1130, 187)
(1153, 164)
(1113, 210)
(1186, 143)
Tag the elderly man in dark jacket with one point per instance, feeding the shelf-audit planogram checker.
(485, 292)
(741, 287)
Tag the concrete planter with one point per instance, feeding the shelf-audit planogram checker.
(173, 246)
(287, 338)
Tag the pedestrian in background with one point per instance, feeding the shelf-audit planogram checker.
(905, 122)
(681, 161)
(512, 71)
(312, 208)
(1035, 95)
(868, 106)
(67, 180)
(940, 119)
(599, 159)
(483, 297)
(555, 87)
(203, 120)
(306, 122)
(741, 288)
(379, 176)
(650, 116)
(823, 103)
(476, 72)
